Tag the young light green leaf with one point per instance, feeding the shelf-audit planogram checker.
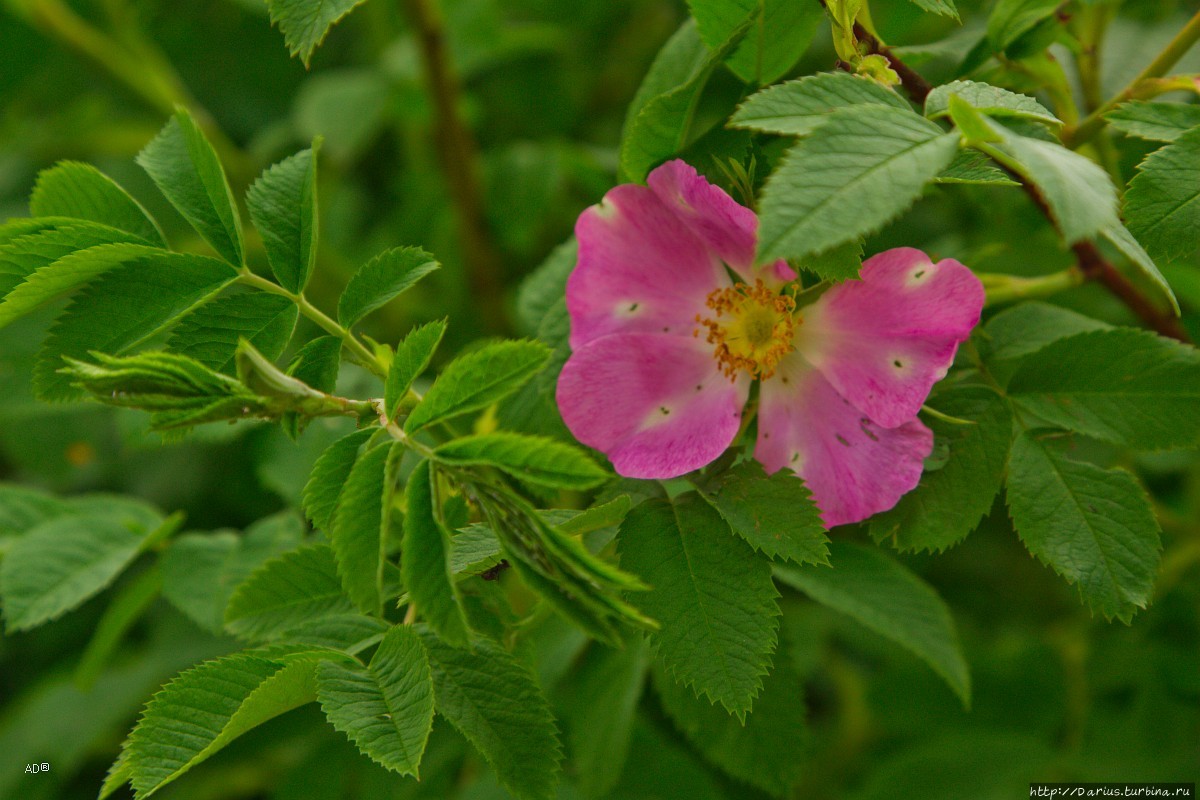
(761, 752)
(1095, 527)
(603, 705)
(386, 708)
(204, 709)
(123, 309)
(1122, 385)
(1160, 122)
(779, 34)
(283, 206)
(529, 458)
(184, 166)
(72, 189)
(712, 594)
(876, 591)
(775, 513)
(211, 333)
(659, 122)
(381, 279)
(62, 562)
(1079, 192)
(328, 476)
(493, 700)
(799, 107)
(848, 178)
(478, 379)
(412, 358)
(304, 23)
(949, 503)
(991, 100)
(426, 566)
(1162, 205)
(360, 524)
(1123, 240)
(286, 591)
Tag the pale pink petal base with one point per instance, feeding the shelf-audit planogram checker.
(853, 467)
(884, 340)
(655, 404)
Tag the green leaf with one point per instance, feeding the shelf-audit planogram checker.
(1012, 19)
(1160, 122)
(37, 268)
(970, 166)
(381, 279)
(60, 563)
(712, 594)
(123, 309)
(286, 591)
(1026, 328)
(1123, 240)
(211, 333)
(473, 549)
(1095, 527)
(944, 7)
(304, 23)
(764, 750)
(799, 107)
(204, 709)
(949, 503)
(128, 605)
(1122, 385)
(385, 708)
(1079, 192)
(478, 379)
(425, 567)
(851, 176)
(604, 695)
(317, 363)
(412, 358)
(876, 591)
(22, 508)
(779, 34)
(659, 121)
(545, 286)
(350, 633)
(360, 525)
(283, 206)
(775, 513)
(991, 100)
(328, 476)
(840, 263)
(1162, 205)
(201, 570)
(493, 700)
(535, 459)
(72, 189)
(184, 166)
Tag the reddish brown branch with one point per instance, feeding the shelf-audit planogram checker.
(913, 82)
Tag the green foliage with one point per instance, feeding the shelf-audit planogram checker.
(492, 700)
(1162, 204)
(1160, 122)
(799, 107)
(411, 359)
(185, 168)
(1123, 240)
(478, 379)
(381, 279)
(1093, 526)
(780, 32)
(80, 191)
(944, 7)
(305, 23)
(427, 569)
(329, 475)
(712, 594)
(286, 591)
(534, 459)
(989, 99)
(856, 172)
(1120, 385)
(385, 708)
(949, 503)
(775, 513)
(606, 691)
(211, 333)
(1012, 19)
(361, 523)
(876, 591)
(283, 205)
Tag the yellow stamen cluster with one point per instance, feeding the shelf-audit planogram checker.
(751, 327)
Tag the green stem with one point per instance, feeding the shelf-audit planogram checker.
(1170, 55)
(1010, 288)
(349, 341)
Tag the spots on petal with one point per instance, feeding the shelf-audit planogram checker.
(919, 274)
(606, 209)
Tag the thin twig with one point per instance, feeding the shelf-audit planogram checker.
(459, 155)
(913, 82)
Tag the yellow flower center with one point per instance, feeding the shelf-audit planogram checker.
(751, 328)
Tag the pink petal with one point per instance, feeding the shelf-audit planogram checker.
(884, 340)
(853, 467)
(725, 226)
(640, 269)
(655, 404)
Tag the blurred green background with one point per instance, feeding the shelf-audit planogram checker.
(545, 87)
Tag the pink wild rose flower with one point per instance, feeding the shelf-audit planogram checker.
(665, 346)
